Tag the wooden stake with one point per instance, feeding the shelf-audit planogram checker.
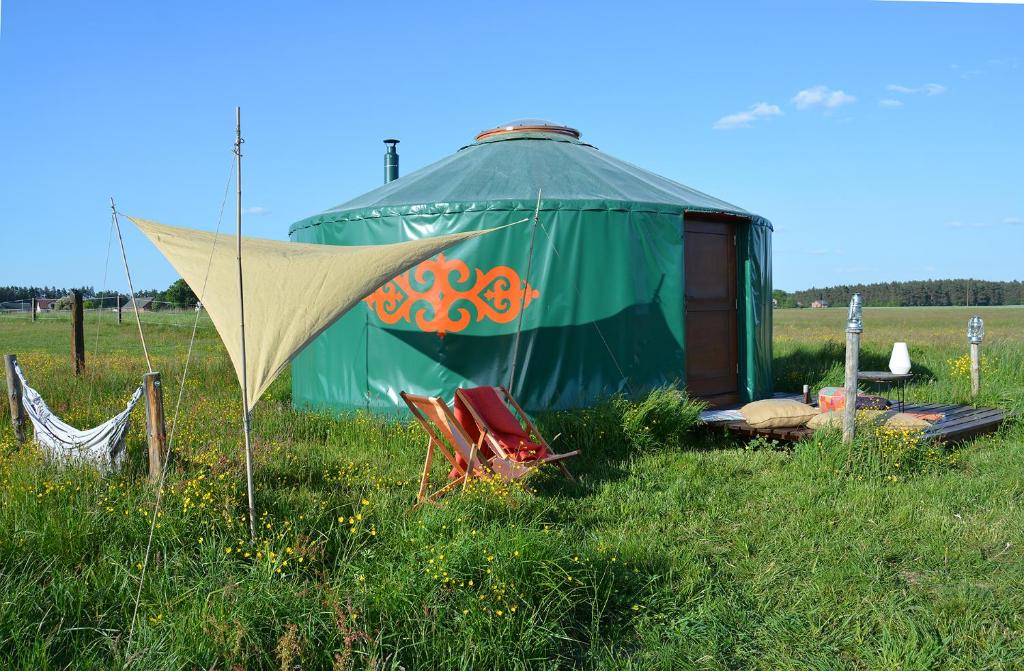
(850, 393)
(854, 327)
(118, 299)
(14, 396)
(975, 368)
(35, 308)
(156, 431)
(77, 333)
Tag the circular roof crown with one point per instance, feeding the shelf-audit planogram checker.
(528, 126)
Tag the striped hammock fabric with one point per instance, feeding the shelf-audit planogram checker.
(102, 446)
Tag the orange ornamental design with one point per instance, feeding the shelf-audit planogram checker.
(443, 303)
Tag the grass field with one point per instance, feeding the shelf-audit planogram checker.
(700, 553)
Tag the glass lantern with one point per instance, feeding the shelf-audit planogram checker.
(854, 323)
(975, 330)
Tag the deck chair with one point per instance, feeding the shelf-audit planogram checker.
(465, 455)
(509, 437)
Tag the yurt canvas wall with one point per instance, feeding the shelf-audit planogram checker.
(629, 285)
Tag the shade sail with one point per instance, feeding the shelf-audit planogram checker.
(293, 291)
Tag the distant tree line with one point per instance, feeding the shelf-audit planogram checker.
(27, 293)
(917, 293)
(179, 294)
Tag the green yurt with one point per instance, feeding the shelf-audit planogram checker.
(628, 281)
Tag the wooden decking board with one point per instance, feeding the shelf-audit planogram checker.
(932, 407)
(963, 432)
(993, 418)
(988, 415)
(976, 415)
(950, 415)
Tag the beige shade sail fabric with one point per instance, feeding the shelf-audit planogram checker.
(293, 291)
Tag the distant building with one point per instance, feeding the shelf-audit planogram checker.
(45, 303)
(821, 303)
(143, 303)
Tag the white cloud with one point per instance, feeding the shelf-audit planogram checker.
(255, 211)
(818, 252)
(1013, 221)
(927, 89)
(744, 119)
(889, 102)
(822, 95)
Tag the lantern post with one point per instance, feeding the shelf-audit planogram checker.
(854, 327)
(975, 334)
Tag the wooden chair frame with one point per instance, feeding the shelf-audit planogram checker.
(487, 433)
(455, 436)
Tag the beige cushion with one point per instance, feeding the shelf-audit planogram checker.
(777, 413)
(902, 420)
(832, 419)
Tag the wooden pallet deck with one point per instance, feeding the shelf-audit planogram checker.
(960, 422)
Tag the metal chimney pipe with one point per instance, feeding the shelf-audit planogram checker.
(391, 160)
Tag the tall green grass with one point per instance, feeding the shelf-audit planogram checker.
(675, 549)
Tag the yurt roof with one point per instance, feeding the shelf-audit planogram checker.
(511, 162)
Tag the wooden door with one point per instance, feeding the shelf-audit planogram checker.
(712, 359)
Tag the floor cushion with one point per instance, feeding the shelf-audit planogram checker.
(833, 419)
(777, 413)
(902, 420)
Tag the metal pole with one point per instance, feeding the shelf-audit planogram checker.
(246, 428)
(854, 327)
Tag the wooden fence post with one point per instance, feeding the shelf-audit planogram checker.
(119, 309)
(14, 396)
(854, 327)
(35, 308)
(156, 432)
(77, 333)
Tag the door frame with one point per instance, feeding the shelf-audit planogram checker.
(738, 222)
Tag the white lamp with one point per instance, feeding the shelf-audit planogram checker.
(899, 362)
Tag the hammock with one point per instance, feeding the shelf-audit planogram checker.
(102, 446)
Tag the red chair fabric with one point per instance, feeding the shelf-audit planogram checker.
(508, 431)
(488, 403)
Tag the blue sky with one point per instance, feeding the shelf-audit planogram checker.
(884, 140)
